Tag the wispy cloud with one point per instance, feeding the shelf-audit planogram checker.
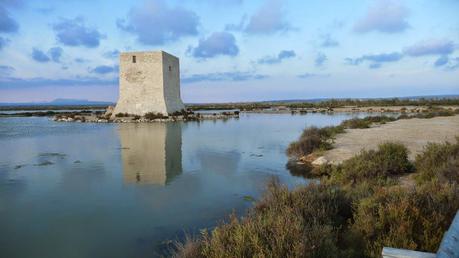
(3, 42)
(155, 23)
(12, 82)
(237, 27)
(328, 41)
(7, 23)
(320, 59)
(284, 54)
(268, 19)
(313, 75)
(104, 69)
(54, 54)
(430, 47)
(112, 54)
(386, 16)
(6, 70)
(80, 60)
(447, 63)
(74, 32)
(218, 43)
(226, 76)
(39, 56)
(441, 61)
(375, 60)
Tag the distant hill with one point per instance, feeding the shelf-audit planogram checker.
(61, 102)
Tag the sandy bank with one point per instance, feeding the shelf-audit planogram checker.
(413, 133)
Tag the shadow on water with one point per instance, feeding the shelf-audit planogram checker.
(299, 169)
(151, 153)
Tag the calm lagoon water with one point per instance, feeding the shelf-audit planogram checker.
(125, 190)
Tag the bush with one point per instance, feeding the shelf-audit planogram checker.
(335, 220)
(438, 162)
(366, 122)
(300, 223)
(404, 116)
(309, 141)
(182, 112)
(374, 165)
(356, 123)
(313, 139)
(153, 116)
(380, 119)
(412, 219)
(122, 115)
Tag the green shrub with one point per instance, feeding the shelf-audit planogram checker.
(339, 219)
(182, 112)
(356, 123)
(439, 161)
(122, 115)
(329, 132)
(190, 248)
(374, 165)
(404, 116)
(366, 122)
(153, 116)
(412, 219)
(300, 223)
(313, 139)
(309, 141)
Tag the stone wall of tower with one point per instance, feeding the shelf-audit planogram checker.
(149, 82)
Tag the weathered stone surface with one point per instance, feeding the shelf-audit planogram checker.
(109, 110)
(149, 82)
(319, 161)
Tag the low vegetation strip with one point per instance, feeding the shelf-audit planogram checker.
(320, 139)
(356, 210)
(329, 104)
(413, 133)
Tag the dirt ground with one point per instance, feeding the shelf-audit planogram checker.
(413, 133)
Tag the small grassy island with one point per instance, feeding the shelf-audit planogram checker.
(377, 198)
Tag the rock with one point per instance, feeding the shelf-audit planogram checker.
(109, 111)
(319, 161)
(308, 158)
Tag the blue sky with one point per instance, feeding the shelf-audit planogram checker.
(232, 50)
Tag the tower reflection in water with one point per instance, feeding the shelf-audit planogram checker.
(151, 153)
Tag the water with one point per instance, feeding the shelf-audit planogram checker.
(8, 112)
(124, 190)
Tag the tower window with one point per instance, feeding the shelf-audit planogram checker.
(170, 68)
(133, 59)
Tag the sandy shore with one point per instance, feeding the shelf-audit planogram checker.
(413, 133)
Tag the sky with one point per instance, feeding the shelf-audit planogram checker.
(232, 50)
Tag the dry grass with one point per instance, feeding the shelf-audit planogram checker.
(350, 214)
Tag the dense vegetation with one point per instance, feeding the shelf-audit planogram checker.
(358, 208)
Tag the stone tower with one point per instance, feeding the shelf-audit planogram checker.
(149, 82)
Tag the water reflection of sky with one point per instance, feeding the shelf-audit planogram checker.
(121, 190)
